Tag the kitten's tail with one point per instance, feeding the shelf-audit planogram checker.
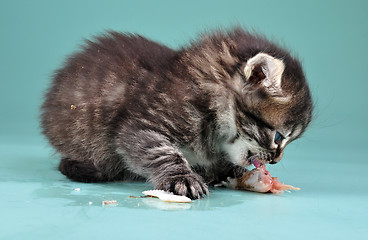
(81, 171)
(85, 171)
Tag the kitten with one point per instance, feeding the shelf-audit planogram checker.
(127, 108)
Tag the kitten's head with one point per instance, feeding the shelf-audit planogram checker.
(259, 90)
(273, 105)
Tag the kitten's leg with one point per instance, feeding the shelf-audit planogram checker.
(153, 156)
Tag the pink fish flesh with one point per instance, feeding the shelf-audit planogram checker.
(260, 180)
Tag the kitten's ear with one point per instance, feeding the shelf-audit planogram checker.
(266, 71)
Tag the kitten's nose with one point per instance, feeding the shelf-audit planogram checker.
(274, 162)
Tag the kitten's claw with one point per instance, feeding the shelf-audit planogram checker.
(190, 185)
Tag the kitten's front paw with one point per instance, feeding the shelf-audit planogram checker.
(190, 185)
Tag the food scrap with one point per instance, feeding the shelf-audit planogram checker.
(167, 196)
(72, 107)
(259, 180)
(109, 202)
(131, 196)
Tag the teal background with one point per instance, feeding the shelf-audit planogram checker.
(329, 163)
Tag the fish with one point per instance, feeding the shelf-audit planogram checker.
(258, 180)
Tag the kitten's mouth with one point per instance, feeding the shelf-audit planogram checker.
(253, 159)
(256, 161)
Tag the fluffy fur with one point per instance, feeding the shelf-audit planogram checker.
(126, 108)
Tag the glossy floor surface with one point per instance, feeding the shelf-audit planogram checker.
(37, 202)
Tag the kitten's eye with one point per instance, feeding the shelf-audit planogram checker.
(278, 138)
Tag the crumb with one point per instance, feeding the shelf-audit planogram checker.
(90, 203)
(109, 202)
(77, 189)
(132, 196)
(72, 107)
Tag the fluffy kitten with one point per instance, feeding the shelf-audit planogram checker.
(127, 108)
